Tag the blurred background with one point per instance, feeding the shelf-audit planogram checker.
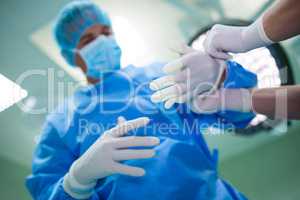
(262, 162)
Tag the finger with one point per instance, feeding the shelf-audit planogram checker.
(179, 99)
(124, 128)
(157, 97)
(128, 154)
(135, 141)
(222, 55)
(173, 67)
(193, 68)
(168, 93)
(219, 54)
(210, 49)
(162, 82)
(169, 103)
(128, 170)
(185, 49)
(181, 48)
(121, 120)
(183, 98)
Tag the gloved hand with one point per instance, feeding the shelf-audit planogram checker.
(221, 100)
(102, 158)
(192, 74)
(222, 39)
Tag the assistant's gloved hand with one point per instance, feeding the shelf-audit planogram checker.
(221, 100)
(222, 39)
(102, 158)
(192, 74)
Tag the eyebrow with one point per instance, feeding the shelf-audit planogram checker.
(86, 36)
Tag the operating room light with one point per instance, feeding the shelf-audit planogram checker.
(133, 45)
(259, 61)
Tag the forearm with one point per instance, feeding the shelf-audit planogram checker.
(278, 103)
(281, 21)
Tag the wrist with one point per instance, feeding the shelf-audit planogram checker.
(237, 100)
(254, 36)
(75, 188)
(246, 96)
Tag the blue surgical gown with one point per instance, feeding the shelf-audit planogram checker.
(183, 167)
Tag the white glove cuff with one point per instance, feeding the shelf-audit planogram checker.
(262, 33)
(246, 100)
(254, 36)
(237, 99)
(76, 189)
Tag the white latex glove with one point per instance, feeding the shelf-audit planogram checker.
(223, 39)
(102, 158)
(192, 74)
(221, 100)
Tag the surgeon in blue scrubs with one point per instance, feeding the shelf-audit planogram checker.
(87, 151)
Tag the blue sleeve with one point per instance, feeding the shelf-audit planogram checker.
(238, 77)
(51, 161)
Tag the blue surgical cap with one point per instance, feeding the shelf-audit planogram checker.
(72, 22)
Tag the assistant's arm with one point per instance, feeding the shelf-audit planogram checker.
(281, 21)
(278, 23)
(278, 103)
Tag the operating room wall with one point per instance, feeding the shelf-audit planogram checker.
(18, 20)
(268, 171)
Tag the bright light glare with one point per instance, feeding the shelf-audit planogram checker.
(134, 48)
(11, 93)
(259, 61)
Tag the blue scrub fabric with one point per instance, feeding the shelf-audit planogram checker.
(183, 168)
